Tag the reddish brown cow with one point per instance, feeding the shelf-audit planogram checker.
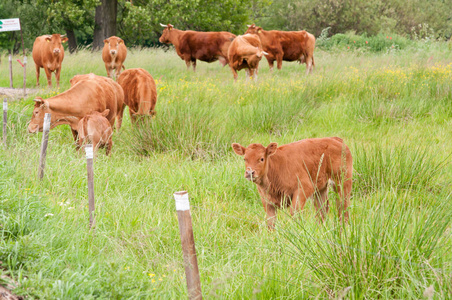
(119, 93)
(286, 45)
(48, 53)
(94, 128)
(288, 175)
(193, 45)
(140, 92)
(70, 106)
(245, 52)
(114, 54)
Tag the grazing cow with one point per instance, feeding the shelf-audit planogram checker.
(119, 93)
(140, 92)
(286, 45)
(245, 52)
(193, 45)
(70, 106)
(48, 53)
(94, 128)
(114, 54)
(288, 175)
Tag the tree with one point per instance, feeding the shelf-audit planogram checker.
(105, 22)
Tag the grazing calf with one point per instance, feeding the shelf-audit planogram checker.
(114, 54)
(140, 92)
(245, 52)
(192, 45)
(94, 128)
(48, 53)
(289, 174)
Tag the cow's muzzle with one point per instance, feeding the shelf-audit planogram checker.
(113, 52)
(33, 128)
(56, 51)
(250, 175)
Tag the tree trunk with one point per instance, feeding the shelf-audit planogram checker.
(105, 22)
(72, 41)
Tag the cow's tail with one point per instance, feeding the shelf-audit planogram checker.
(123, 67)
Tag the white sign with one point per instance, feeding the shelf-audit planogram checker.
(9, 24)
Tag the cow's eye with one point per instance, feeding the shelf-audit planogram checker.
(262, 159)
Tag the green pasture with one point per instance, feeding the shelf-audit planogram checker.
(393, 109)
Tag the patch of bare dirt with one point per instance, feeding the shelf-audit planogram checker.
(16, 94)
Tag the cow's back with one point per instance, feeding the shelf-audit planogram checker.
(206, 46)
(140, 92)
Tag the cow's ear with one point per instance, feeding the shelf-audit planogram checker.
(271, 149)
(105, 41)
(259, 30)
(38, 101)
(105, 113)
(64, 40)
(48, 38)
(238, 149)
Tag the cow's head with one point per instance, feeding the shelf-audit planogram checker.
(256, 160)
(37, 118)
(113, 43)
(55, 42)
(253, 29)
(165, 38)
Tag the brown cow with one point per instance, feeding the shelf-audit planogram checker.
(114, 54)
(192, 45)
(245, 52)
(288, 175)
(119, 93)
(140, 92)
(286, 45)
(48, 53)
(94, 128)
(70, 106)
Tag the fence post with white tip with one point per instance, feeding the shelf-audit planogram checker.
(89, 167)
(188, 245)
(45, 141)
(5, 120)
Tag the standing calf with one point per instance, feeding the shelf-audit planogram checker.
(289, 174)
(94, 128)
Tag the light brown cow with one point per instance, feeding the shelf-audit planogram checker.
(70, 106)
(48, 53)
(192, 45)
(114, 54)
(119, 93)
(245, 52)
(286, 45)
(288, 175)
(140, 92)
(94, 128)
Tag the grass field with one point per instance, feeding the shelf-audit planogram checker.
(394, 111)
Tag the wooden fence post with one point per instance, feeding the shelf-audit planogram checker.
(45, 141)
(188, 245)
(5, 120)
(89, 168)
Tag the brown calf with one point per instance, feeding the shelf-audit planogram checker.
(94, 128)
(48, 53)
(289, 174)
(114, 54)
(140, 92)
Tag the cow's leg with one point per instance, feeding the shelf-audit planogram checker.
(194, 64)
(109, 145)
(247, 74)
(108, 70)
(321, 203)
(38, 69)
(234, 72)
(49, 77)
(223, 61)
(299, 200)
(75, 136)
(119, 116)
(344, 189)
(188, 64)
(309, 62)
(118, 71)
(270, 210)
(270, 61)
(57, 76)
(279, 59)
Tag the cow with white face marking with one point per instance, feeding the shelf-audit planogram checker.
(114, 54)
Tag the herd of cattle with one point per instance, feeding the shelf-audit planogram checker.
(285, 176)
